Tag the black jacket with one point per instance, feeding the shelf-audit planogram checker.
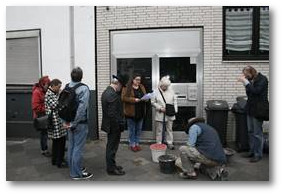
(111, 110)
(257, 92)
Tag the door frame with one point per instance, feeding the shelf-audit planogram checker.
(197, 56)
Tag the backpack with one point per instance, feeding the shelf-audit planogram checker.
(67, 103)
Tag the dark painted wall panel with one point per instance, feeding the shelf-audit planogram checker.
(19, 115)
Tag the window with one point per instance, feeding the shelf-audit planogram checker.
(22, 57)
(179, 69)
(246, 33)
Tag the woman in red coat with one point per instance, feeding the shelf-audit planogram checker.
(38, 109)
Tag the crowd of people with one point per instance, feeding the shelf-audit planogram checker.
(124, 105)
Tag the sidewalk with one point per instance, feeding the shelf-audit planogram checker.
(25, 163)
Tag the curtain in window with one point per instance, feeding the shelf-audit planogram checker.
(264, 29)
(239, 29)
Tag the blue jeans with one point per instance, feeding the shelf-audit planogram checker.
(77, 140)
(255, 135)
(134, 128)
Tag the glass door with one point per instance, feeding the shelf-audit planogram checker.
(183, 76)
(143, 66)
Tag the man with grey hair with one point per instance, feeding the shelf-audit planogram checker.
(113, 122)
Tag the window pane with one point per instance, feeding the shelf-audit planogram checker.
(239, 22)
(264, 29)
(179, 69)
(22, 60)
(129, 66)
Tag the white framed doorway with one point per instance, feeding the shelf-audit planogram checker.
(156, 52)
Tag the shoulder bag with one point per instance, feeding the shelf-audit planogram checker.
(170, 109)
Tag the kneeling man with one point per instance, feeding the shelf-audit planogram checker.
(203, 150)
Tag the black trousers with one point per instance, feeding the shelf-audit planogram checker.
(58, 150)
(113, 140)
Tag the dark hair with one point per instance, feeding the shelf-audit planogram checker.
(55, 82)
(77, 74)
(130, 82)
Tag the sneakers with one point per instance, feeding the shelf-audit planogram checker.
(185, 175)
(85, 175)
(83, 169)
(223, 175)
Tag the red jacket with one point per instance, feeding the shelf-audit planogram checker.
(37, 102)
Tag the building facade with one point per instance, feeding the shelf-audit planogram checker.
(203, 49)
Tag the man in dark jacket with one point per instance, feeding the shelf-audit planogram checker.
(256, 86)
(113, 122)
(203, 149)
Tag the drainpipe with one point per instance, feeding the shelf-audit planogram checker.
(96, 86)
(72, 38)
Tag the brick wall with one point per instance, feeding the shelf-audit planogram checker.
(220, 78)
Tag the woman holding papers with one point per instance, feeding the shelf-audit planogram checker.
(134, 109)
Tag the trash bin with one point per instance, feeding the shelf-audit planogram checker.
(242, 139)
(217, 115)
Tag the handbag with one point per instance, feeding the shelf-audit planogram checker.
(262, 110)
(170, 109)
(43, 122)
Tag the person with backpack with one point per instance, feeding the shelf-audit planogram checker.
(38, 109)
(75, 97)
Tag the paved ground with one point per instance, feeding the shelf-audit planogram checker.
(25, 163)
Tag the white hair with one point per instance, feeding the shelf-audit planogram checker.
(165, 81)
(114, 81)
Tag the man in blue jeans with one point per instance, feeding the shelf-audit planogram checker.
(256, 86)
(203, 151)
(78, 128)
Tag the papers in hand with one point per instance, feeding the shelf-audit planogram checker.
(147, 96)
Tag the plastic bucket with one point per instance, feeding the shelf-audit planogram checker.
(167, 163)
(157, 150)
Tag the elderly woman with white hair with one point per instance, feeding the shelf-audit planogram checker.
(164, 95)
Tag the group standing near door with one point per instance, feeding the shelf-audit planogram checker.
(123, 105)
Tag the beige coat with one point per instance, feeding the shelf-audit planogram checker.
(157, 102)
